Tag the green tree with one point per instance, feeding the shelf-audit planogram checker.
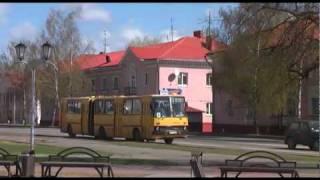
(146, 40)
(272, 47)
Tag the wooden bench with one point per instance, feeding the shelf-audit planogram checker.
(248, 162)
(196, 164)
(7, 160)
(76, 157)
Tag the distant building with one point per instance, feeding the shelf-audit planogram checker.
(179, 67)
(176, 67)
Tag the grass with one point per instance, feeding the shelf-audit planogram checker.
(44, 150)
(17, 148)
(211, 150)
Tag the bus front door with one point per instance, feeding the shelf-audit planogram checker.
(91, 118)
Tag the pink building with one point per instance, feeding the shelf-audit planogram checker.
(172, 67)
(179, 67)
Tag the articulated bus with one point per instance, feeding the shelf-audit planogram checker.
(137, 118)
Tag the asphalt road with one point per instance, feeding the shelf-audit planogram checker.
(53, 136)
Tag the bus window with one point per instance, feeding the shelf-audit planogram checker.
(108, 107)
(178, 106)
(103, 107)
(127, 108)
(73, 106)
(132, 106)
(161, 107)
(136, 106)
(98, 107)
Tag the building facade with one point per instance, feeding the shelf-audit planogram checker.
(174, 67)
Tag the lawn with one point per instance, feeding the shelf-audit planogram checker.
(42, 151)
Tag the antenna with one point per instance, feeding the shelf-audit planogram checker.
(171, 29)
(209, 23)
(105, 41)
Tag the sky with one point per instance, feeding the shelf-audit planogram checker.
(122, 22)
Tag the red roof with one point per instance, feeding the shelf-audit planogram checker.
(186, 48)
(88, 61)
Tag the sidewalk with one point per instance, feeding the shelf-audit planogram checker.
(161, 171)
(235, 135)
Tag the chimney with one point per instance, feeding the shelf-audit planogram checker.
(108, 59)
(197, 34)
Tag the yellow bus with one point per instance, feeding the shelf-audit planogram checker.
(138, 118)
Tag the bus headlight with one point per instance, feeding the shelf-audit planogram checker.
(157, 128)
(185, 128)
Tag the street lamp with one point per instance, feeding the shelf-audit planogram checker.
(46, 50)
(20, 51)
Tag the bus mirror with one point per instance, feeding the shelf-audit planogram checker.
(185, 106)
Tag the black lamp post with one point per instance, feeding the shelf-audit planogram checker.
(20, 51)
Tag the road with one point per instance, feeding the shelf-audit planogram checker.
(157, 150)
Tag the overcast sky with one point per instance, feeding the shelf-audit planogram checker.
(122, 21)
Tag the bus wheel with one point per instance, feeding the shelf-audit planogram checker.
(168, 140)
(136, 135)
(71, 134)
(102, 133)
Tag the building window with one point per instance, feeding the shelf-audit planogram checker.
(229, 108)
(209, 79)
(104, 84)
(209, 108)
(183, 79)
(93, 85)
(146, 79)
(315, 106)
(133, 81)
(115, 83)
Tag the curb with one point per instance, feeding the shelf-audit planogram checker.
(237, 135)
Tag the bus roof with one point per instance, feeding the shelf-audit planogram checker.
(122, 96)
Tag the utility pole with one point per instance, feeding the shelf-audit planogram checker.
(71, 55)
(171, 29)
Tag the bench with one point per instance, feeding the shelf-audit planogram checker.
(248, 162)
(7, 160)
(76, 157)
(196, 164)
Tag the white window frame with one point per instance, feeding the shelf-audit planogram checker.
(181, 75)
(210, 80)
(209, 108)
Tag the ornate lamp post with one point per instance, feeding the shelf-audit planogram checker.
(20, 51)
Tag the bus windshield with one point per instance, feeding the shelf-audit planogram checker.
(168, 106)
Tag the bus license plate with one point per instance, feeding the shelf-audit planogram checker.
(172, 132)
